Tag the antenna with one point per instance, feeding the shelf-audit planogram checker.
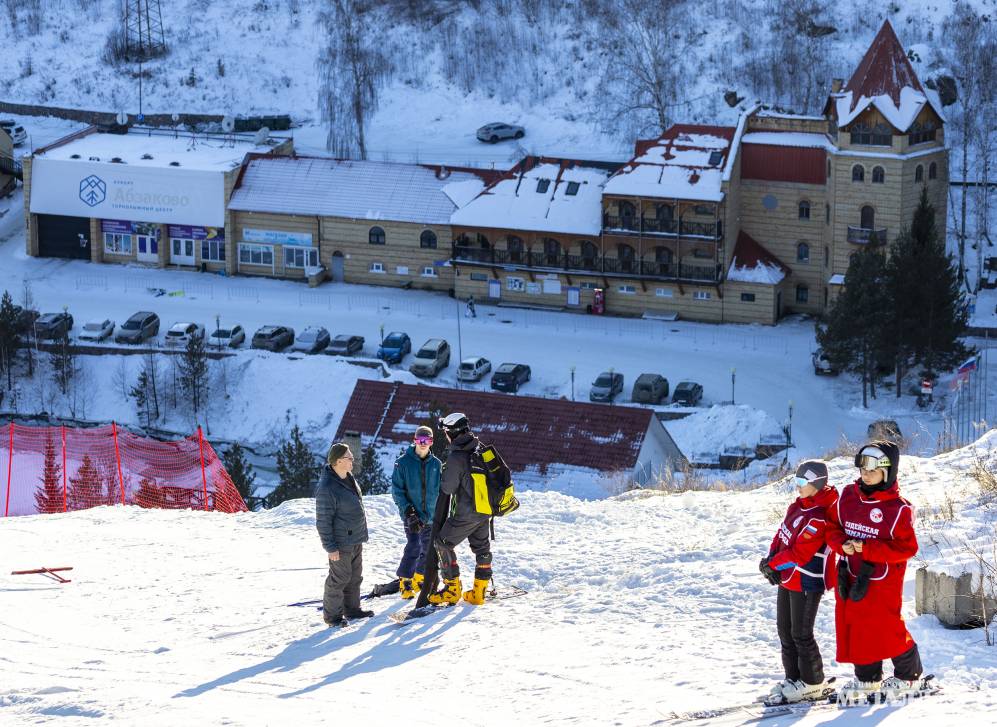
(228, 123)
(144, 37)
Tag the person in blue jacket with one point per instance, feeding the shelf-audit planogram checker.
(415, 485)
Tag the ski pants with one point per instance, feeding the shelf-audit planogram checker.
(414, 555)
(796, 612)
(454, 531)
(906, 666)
(342, 585)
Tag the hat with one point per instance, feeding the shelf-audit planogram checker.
(814, 472)
(423, 431)
(888, 455)
(454, 424)
(336, 452)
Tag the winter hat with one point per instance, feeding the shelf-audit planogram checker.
(888, 455)
(423, 431)
(813, 472)
(336, 452)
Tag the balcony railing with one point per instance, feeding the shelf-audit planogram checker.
(652, 226)
(598, 264)
(863, 235)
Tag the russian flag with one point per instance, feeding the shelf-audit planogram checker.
(969, 365)
(810, 529)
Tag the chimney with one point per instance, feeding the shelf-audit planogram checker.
(836, 84)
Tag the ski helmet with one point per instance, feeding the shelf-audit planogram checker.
(454, 424)
(811, 472)
(880, 455)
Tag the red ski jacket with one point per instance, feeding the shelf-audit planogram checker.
(799, 549)
(873, 629)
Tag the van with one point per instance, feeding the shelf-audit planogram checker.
(649, 389)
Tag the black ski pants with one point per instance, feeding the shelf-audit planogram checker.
(796, 612)
(342, 585)
(454, 531)
(906, 666)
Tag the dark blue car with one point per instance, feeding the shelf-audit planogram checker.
(394, 347)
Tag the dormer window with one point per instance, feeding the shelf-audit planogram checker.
(716, 157)
(572, 189)
(542, 185)
(921, 133)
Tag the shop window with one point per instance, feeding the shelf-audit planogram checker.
(117, 244)
(213, 251)
(250, 254)
(802, 294)
(300, 257)
(804, 213)
(427, 239)
(878, 175)
(376, 236)
(858, 173)
(803, 252)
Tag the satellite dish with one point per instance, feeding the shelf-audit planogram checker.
(228, 123)
(261, 136)
(122, 118)
(176, 117)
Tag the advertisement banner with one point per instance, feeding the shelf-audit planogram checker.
(124, 227)
(276, 237)
(77, 188)
(188, 232)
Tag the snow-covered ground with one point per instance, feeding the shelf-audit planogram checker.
(639, 606)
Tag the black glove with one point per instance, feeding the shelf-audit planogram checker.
(412, 522)
(842, 579)
(771, 575)
(861, 585)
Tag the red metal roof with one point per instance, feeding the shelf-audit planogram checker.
(749, 252)
(531, 433)
(884, 69)
(783, 163)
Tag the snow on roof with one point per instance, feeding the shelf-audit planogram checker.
(886, 80)
(752, 263)
(788, 138)
(742, 124)
(460, 193)
(677, 165)
(341, 188)
(193, 151)
(521, 200)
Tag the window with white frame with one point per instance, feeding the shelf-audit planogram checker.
(429, 272)
(300, 257)
(213, 251)
(515, 284)
(401, 270)
(117, 244)
(376, 267)
(251, 254)
(663, 292)
(627, 289)
(701, 295)
(588, 286)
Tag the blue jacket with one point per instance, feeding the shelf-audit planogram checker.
(416, 483)
(339, 513)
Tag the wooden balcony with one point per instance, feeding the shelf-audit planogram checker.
(614, 224)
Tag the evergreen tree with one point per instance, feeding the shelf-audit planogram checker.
(194, 372)
(63, 363)
(8, 337)
(85, 487)
(48, 496)
(372, 479)
(297, 468)
(858, 324)
(242, 474)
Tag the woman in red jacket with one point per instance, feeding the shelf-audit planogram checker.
(800, 563)
(872, 527)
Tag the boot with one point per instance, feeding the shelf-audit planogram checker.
(405, 588)
(476, 596)
(800, 691)
(449, 595)
(417, 579)
(357, 613)
(894, 688)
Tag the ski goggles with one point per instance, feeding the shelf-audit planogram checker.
(424, 440)
(870, 462)
(801, 481)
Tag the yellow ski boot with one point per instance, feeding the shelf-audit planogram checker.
(416, 586)
(476, 596)
(449, 595)
(405, 588)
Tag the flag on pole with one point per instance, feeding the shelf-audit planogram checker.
(968, 365)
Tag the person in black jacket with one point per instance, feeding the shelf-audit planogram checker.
(464, 521)
(342, 526)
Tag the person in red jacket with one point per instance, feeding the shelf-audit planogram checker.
(872, 527)
(800, 563)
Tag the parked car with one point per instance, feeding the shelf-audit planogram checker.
(473, 369)
(606, 386)
(345, 345)
(821, 364)
(140, 327)
(53, 325)
(432, 357)
(394, 347)
(496, 131)
(227, 337)
(97, 330)
(688, 393)
(273, 338)
(650, 389)
(886, 429)
(24, 319)
(510, 376)
(16, 132)
(313, 339)
(180, 334)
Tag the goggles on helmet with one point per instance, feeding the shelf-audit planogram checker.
(871, 462)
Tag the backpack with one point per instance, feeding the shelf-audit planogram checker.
(491, 479)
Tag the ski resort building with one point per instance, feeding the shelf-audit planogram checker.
(9, 169)
(142, 195)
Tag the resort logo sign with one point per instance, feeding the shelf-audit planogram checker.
(93, 191)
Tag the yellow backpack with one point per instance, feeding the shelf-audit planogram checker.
(494, 492)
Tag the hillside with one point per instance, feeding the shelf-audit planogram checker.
(639, 606)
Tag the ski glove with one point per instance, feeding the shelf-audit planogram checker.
(770, 574)
(861, 585)
(412, 522)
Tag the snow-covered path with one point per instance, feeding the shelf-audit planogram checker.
(638, 606)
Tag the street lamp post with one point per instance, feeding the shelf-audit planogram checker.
(789, 430)
(218, 324)
(572, 383)
(732, 386)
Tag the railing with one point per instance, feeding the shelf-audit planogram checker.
(863, 235)
(654, 226)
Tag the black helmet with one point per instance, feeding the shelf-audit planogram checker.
(454, 424)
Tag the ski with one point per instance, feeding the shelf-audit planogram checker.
(928, 688)
(761, 708)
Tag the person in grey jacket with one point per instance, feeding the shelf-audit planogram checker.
(342, 526)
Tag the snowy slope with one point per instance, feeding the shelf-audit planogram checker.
(638, 605)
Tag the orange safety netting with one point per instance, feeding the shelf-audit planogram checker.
(58, 469)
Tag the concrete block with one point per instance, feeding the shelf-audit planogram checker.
(957, 602)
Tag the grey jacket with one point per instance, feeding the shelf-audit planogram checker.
(339, 513)
(456, 478)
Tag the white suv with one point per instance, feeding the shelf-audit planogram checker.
(180, 333)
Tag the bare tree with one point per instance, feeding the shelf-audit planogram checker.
(352, 66)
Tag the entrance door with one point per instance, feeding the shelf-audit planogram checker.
(494, 289)
(148, 249)
(337, 267)
(778, 305)
(66, 237)
(181, 251)
(574, 297)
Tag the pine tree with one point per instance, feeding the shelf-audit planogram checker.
(242, 474)
(8, 337)
(372, 479)
(297, 468)
(48, 496)
(141, 397)
(85, 487)
(63, 363)
(194, 371)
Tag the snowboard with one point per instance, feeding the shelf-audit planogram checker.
(403, 618)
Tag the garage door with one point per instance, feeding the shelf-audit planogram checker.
(63, 237)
